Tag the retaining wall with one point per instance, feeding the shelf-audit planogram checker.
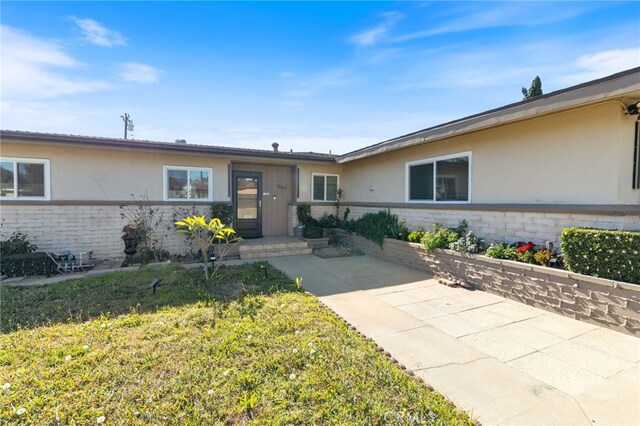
(603, 302)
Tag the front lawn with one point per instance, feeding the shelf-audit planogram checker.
(248, 350)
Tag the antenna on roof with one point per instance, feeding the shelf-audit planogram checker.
(128, 124)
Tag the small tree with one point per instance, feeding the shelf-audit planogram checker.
(206, 234)
(534, 90)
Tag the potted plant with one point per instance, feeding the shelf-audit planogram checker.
(131, 238)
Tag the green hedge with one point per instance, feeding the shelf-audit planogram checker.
(601, 253)
(19, 265)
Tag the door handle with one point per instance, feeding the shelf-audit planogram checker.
(260, 203)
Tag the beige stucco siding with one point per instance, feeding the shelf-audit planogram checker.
(109, 174)
(577, 157)
(307, 170)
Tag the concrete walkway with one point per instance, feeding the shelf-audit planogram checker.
(503, 362)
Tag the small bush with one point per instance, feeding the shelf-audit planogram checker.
(442, 238)
(304, 214)
(223, 211)
(416, 236)
(312, 232)
(18, 243)
(603, 253)
(27, 264)
(468, 244)
(502, 251)
(327, 221)
(377, 226)
(543, 256)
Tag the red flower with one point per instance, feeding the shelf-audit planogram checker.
(522, 247)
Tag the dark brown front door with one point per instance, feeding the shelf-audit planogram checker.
(247, 204)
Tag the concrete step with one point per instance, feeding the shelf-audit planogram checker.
(261, 254)
(273, 249)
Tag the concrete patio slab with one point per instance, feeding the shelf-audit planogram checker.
(562, 375)
(503, 362)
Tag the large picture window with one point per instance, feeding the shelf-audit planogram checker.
(187, 183)
(325, 187)
(24, 179)
(439, 179)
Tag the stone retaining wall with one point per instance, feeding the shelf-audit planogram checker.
(607, 303)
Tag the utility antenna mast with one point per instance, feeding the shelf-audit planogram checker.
(128, 124)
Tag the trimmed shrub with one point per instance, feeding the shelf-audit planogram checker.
(20, 265)
(602, 253)
(312, 232)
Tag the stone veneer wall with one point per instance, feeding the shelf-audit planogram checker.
(509, 226)
(491, 225)
(615, 305)
(85, 227)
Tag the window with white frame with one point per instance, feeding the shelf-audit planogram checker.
(439, 179)
(187, 183)
(24, 179)
(324, 187)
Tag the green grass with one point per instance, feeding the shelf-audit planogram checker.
(248, 350)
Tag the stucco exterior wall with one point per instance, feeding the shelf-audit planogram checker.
(306, 170)
(109, 174)
(583, 156)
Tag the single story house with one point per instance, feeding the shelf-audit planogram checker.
(523, 171)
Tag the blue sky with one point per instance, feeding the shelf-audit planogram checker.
(312, 76)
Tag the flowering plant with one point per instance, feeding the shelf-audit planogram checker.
(522, 246)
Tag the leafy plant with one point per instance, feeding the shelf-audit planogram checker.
(206, 234)
(346, 214)
(223, 211)
(468, 244)
(543, 256)
(603, 253)
(303, 212)
(442, 238)
(377, 226)
(526, 252)
(142, 220)
(339, 195)
(502, 251)
(312, 232)
(17, 243)
(416, 236)
(327, 221)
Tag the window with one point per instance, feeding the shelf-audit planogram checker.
(441, 179)
(324, 187)
(187, 183)
(24, 179)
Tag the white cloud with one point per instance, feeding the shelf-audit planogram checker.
(96, 33)
(376, 34)
(489, 15)
(287, 74)
(36, 69)
(318, 82)
(139, 73)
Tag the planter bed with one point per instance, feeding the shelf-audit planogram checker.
(615, 305)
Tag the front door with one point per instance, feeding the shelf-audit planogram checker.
(247, 204)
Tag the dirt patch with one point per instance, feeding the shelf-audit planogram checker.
(338, 250)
